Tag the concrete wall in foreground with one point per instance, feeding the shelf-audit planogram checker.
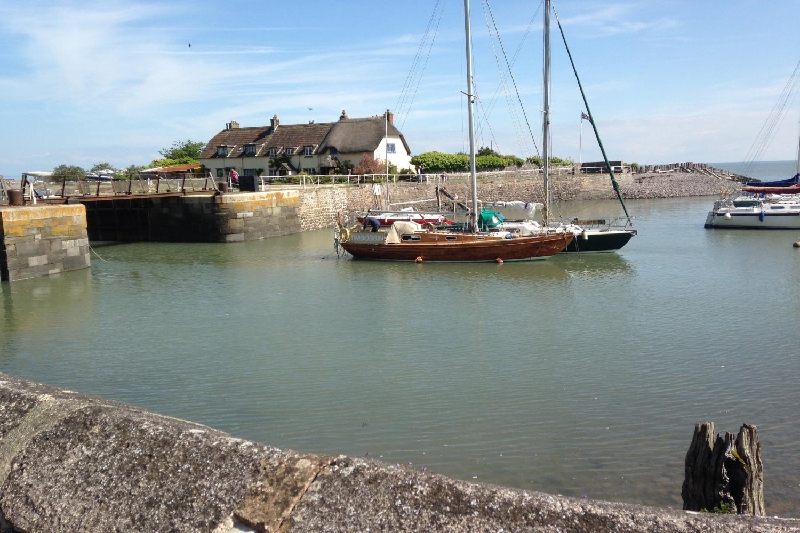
(70, 463)
(42, 240)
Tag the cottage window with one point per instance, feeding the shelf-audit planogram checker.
(273, 152)
(334, 152)
(220, 173)
(222, 151)
(289, 151)
(307, 150)
(390, 148)
(249, 150)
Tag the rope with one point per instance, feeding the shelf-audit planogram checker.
(614, 183)
(406, 98)
(508, 67)
(95, 253)
(772, 123)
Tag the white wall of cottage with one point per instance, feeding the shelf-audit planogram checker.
(309, 164)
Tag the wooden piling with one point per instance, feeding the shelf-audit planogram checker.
(724, 474)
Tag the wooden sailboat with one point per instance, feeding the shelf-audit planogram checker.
(407, 241)
(595, 235)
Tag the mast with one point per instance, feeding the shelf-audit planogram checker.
(546, 115)
(473, 216)
(798, 153)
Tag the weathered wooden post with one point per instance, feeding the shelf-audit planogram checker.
(724, 474)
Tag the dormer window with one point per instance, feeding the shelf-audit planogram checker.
(334, 152)
(249, 150)
(273, 152)
(390, 148)
(289, 151)
(222, 150)
(308, 150)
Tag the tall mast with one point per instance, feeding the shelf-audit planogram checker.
(546, 115)
(473, 216)
(798, 153)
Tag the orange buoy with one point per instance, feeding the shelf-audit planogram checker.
(418, 259)
(498, 261)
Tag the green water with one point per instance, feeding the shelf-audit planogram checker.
(578, 375)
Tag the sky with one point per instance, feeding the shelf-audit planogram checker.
(85, 82)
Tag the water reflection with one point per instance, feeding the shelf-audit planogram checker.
(594, 265)
(33, 308)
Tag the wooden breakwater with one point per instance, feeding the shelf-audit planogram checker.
(70, 462)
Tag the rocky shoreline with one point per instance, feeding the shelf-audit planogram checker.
(676, 184)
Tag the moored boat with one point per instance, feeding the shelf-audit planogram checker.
(769, 204)
(590, 236)
(598, 236)
(754, 213)
(408, 241)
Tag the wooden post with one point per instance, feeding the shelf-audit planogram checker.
(724, 474)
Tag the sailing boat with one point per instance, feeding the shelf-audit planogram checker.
(601, 236)
(771, 205)
(408, 241)
(764, 205)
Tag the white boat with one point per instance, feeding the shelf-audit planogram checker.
(751, 212)
(763, 205)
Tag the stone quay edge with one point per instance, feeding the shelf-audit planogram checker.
(71, 462)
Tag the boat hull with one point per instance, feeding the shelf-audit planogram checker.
(754, 218)
(598, 241)
(773, 189)
(455, 247)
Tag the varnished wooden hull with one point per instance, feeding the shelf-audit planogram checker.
(455, 247)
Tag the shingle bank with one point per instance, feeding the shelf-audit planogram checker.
(70, 463)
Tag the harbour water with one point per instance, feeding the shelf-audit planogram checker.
(578, 375)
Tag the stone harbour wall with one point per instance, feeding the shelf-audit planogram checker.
(42, 240)
(258, 215)
(70, 462)
(235, 217)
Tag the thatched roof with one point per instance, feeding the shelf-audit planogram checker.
(351, 135)
(348, 135)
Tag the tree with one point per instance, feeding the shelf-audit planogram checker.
(485, 150)
(132, 172)
(370, 165)
(180, 153)
(68, 173)
(441, 162)
(101, 166)
(554, 161)
(276, 163)
(182, 149)
(342, 167)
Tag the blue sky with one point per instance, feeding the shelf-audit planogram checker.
(668, 81)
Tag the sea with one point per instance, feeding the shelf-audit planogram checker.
(581, 375)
